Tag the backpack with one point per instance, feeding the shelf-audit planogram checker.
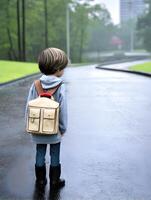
(43, 112)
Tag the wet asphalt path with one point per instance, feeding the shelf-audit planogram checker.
(106, 153)
(125, 65)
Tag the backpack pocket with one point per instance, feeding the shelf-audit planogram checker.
(34, 119)
(49, 120)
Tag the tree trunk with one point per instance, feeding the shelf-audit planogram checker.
(19, 31)
(46, 23)
(24, 30)
(81, 40)
(11, 53)
(81, 46)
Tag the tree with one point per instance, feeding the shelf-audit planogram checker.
(125, 31)
(46, 23)
(19, 30)
(144, 27)
(27, 27)
(11, 51)
(79, 24)
(100, 30)
(23, 31)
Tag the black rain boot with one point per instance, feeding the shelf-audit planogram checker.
(40, 173)
(54, 174)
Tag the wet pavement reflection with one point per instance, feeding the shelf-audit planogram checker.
(41, 193)
(106, 151)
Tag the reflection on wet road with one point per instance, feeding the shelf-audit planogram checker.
(106, 151)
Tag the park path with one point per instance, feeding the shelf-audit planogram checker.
(124, 65)
(106, 153)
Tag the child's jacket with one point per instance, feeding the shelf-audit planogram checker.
(49, 82)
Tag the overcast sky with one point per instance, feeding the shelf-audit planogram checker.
(113, 7)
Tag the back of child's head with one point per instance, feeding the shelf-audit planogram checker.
(51, 60)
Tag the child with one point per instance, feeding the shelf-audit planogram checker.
(52, 62)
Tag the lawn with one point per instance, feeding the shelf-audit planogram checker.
(145, 67)
(10, 70)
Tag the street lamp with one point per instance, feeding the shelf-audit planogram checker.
(131, 29)
(68, 30)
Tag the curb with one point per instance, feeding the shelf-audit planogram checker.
(120, 61)
(18, 79)
(97, 67)
(126, 71)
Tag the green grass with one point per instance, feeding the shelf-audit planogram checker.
(145, 67)
(11, 70)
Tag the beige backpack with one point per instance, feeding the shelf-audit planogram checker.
(43, 112)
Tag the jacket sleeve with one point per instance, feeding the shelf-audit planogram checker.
(63, 110)
(31, 95)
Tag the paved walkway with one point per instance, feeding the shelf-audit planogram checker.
(106, 153)
(125, 65)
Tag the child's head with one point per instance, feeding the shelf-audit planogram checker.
(52, 61)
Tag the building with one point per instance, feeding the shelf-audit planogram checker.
(131, 9)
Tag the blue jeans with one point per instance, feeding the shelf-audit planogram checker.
(54, 154)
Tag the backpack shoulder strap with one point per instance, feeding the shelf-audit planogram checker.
(53, 90)
(40, 90)
(38, 87)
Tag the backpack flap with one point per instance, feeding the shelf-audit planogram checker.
(49, 116)
(49, 113)
(33, 119)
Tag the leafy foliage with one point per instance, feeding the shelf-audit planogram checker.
(144, 27)
(90, 28)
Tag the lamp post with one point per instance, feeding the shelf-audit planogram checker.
(131, 28)
(68, 30)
